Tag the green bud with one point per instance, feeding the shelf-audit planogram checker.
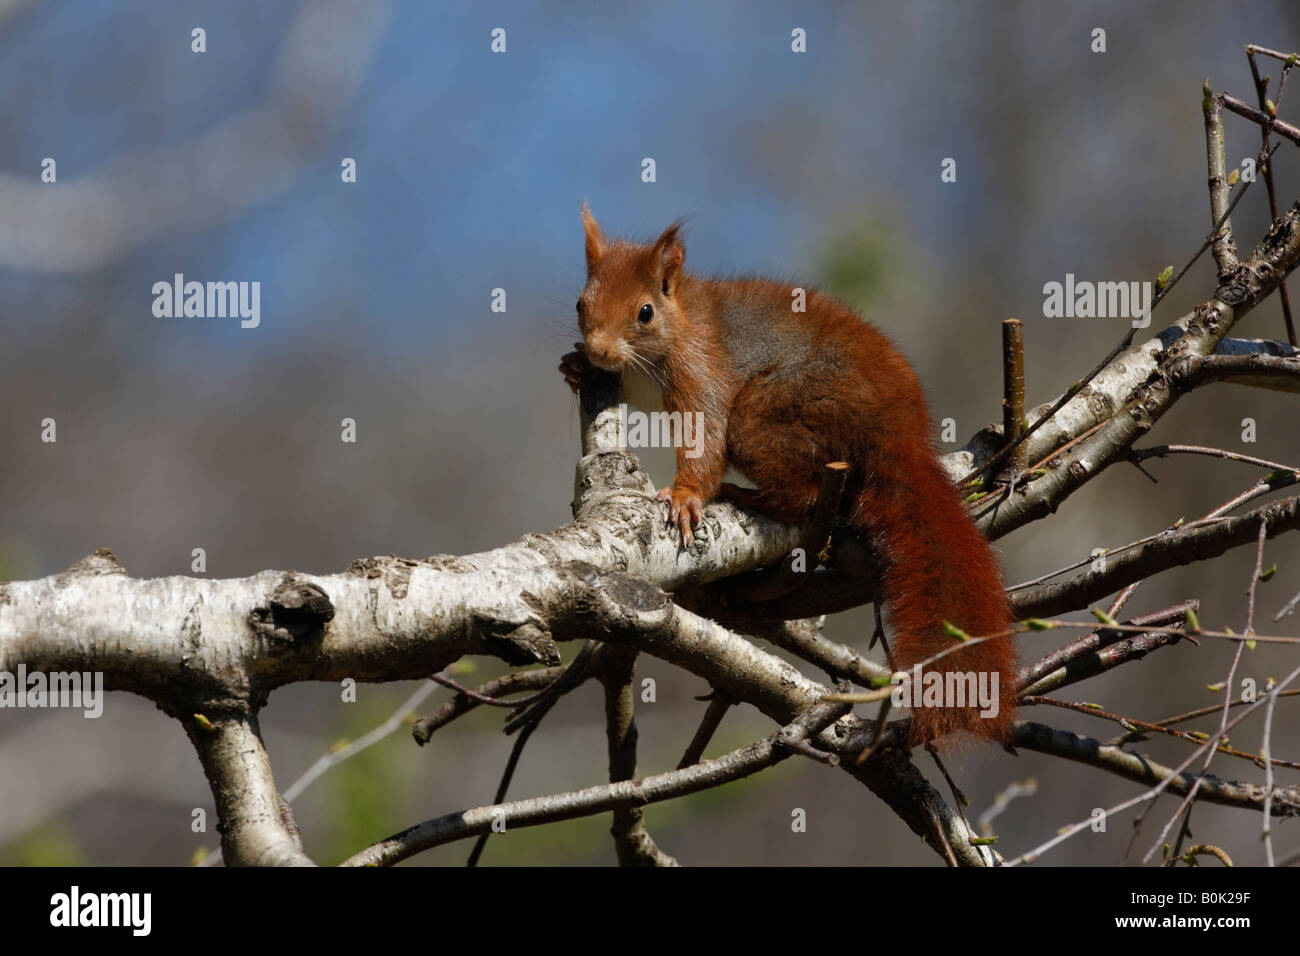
(953, 631)
(1102, 616)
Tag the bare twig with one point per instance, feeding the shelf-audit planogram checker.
(1137, 727)
(1195, 541)
(1280, 372)
(530, 719)
(1013, 390)
(335, 757)
(627, 793)
(1266, 751)
(1214, 741)
(719, 704)
(1224, 247)
(1213, 709)
(503, 786)
(577, 672)
(632, 841)
(1269, 123)
(1288, 607)
(1261, 93)
(1057, 661)
(511, 683)
(1164, 451)
(477, 696)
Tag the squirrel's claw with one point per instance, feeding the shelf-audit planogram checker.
(685, 509)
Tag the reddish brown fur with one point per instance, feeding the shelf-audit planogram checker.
(784, 392)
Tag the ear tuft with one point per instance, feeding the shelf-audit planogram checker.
(595, 246)
(668, 256)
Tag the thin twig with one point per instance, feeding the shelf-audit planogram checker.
(1098, 639)
(507, 775)
(1186, 807)
(1138, 727)
(583, 803)
(1270, 123)
(1288, 607)
(719, 704)
(1212, 709)
(1163, 451)
(577, 671)
(1224, 248)
(1266, 750)
(1181, 545)
(1013, 389)
(632, 840)
(1122, 598)
(478, 696)
(389, 726)
(512, 683)
(1261, 92)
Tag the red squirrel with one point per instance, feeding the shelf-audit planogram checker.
(781, 393)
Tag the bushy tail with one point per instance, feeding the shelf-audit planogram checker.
(939, 567)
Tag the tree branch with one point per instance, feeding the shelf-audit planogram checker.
(613, 796)
(632, 840)
(1142, 769)
(1198, 541)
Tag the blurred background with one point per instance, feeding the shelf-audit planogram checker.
(376, 305)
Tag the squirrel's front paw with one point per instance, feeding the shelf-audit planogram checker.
(573, 365)
(685, 509)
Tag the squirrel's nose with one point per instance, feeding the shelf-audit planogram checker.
(601, 352)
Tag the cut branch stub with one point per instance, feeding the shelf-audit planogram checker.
(297, 610)
(529, 643)
(103, 561)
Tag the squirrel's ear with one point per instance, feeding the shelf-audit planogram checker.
(667, 257)
(595, 248)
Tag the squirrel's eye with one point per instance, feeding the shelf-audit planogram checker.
(577, 307)
(646, 314)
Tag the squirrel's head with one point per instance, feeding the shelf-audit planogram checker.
(629, 311)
